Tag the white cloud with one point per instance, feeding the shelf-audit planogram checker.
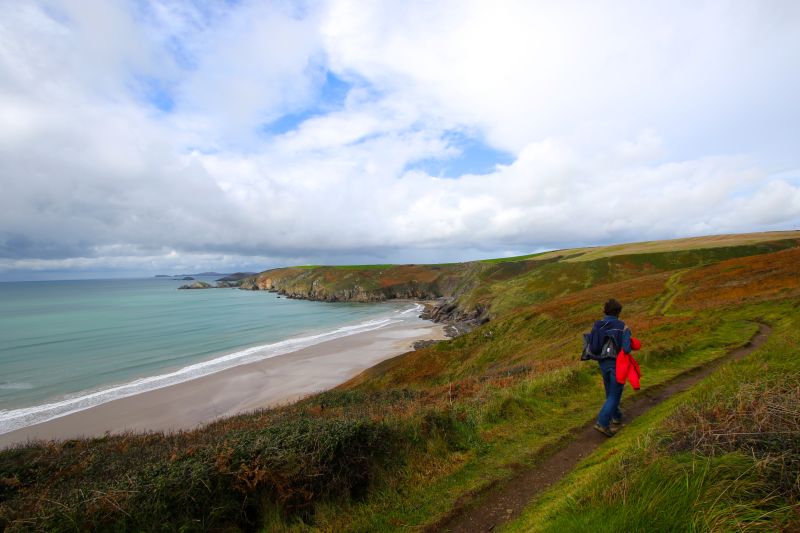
(261, 63)
(623, 121)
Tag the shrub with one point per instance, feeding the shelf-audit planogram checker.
(760, 419)
(191, 481)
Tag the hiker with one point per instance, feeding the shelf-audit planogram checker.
(608, 337)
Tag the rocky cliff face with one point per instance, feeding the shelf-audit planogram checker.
(316, 290)
(441, 285)
(458, 320)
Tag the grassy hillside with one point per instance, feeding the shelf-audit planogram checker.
(722, 457)
(400, 445)
(482, 289)
(365, 282)
(673, 245)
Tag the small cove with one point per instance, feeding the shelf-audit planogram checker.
(67, 345)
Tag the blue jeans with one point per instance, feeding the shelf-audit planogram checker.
(610, 409)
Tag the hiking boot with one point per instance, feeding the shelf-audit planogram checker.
(608, 432)
(616, 421)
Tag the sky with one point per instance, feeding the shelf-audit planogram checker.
(157, 136)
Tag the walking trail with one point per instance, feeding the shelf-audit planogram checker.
(501, 504)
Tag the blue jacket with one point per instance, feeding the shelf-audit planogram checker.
(610, 326)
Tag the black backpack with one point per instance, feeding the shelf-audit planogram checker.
(609, 349)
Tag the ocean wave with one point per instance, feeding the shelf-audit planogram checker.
(417, 308)
(13, 419)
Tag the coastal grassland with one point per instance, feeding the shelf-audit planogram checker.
(352, 267)
(518, 257)
(724, 456)
(545, 333)
(690, 243)
(509, 286)
(517, 384)
(517, 412)
(402, 443)
(483, 286)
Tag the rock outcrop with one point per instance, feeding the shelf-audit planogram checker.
(197, 285)
(205, 285)
(457, 319)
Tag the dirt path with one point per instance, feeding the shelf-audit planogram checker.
(503, 503)
(673, 288)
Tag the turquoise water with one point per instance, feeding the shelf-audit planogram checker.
(67, 345)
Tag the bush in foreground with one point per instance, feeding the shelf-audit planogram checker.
(191, 481)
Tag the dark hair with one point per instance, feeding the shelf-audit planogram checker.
(612, 308)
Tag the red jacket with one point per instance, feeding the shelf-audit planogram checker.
(628, 367)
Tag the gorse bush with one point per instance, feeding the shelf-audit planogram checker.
(229, 474)
(190, 481)
(760, 420)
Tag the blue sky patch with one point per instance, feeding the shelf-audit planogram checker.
(334, 90)
(288, 122)
(155, 93)
(331, 97)
(474, 157)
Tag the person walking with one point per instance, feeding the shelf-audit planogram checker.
(608, 337)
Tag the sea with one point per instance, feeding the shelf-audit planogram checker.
(66, 346)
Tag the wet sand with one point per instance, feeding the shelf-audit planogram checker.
(274, 381)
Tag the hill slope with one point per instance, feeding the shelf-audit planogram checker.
(477, 290)
(405, 442)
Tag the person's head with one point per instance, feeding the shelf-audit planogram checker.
(612, 308)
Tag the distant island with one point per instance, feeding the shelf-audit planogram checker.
(226, 282)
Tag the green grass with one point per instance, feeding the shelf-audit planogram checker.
(349, 267)
(653, 476)
(507, 427)
(517, 257)
(363, 267)
(686, 244)
(672, 289)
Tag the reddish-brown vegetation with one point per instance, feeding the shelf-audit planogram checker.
(742, 280)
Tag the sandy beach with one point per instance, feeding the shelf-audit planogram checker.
(278, 380)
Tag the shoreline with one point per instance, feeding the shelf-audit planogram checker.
(274, 381)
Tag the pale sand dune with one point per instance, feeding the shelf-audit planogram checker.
(273, 381)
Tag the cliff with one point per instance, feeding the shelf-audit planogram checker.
(466, 295)
(440, 285)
